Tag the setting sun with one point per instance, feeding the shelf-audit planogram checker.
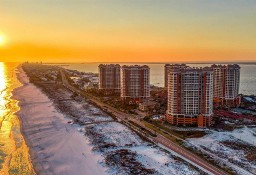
(1, 40)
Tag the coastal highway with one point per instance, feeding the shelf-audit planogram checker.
(159, 139)
(182, 152)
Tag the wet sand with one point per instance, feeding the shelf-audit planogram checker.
(14, 152)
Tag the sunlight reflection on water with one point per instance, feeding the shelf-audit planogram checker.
(14, 153)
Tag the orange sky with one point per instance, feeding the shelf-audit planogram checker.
(131, 31)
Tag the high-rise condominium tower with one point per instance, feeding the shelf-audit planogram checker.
(168, 68)
(226, 80)
(135, 82)
(109, 77)
(190, 96)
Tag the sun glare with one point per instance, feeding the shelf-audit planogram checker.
(1, 40)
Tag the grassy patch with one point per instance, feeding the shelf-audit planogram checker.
(154, 128)
(181, 134)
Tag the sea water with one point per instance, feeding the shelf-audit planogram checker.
(14, 152)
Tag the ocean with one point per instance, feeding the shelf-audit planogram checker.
(14, 153)
(247, 75)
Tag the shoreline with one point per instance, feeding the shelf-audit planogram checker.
(14, 151)
(22, 84)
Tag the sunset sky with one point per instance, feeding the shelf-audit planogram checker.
(127, 30)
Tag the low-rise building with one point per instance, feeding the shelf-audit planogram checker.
(147, 105)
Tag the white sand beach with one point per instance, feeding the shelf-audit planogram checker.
(55, 146)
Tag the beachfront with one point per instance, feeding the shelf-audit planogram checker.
(66, 132)
(58, 146)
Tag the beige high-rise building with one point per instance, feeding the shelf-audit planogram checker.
(109, 77)
(135, 82)
(190, 96)
(168, 68)
(226, 80)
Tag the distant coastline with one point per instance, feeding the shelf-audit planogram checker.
(224, 62)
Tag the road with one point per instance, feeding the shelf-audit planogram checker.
(160, 139)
